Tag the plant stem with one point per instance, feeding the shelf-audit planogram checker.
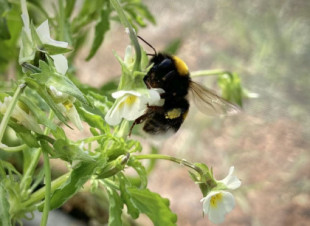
(9, 111)
(215, 72)
(13, 149)
(132, 33)
(170, 158)
(47, 179)
(39, 194)
(35, 160)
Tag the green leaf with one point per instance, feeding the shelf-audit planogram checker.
(231, 88)
(48, 99)
(93, 120)
(69, 152)
(173, 46)
(29, 139)
(5, 218)
(4, 30)
(115, 208)
(131, 208)
(49, 77)
(53, 50)
(37, 112)
(101, 28)
(69, 7)
(154, 206)
(78, 177)
(139, 168)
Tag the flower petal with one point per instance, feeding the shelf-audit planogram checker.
(231, 181)
(61, 63)
(223, 203)
(45, 37)
(121, 93)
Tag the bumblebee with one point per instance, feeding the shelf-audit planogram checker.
(172, 75)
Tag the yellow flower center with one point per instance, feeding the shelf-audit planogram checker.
(129, 101)
(215, 199)
(68, 105)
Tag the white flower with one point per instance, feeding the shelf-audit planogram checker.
(132, 104)
(28, 46)
(231, 181)
(43, 32)
(60, 61)
(219, 202)
(26, 119)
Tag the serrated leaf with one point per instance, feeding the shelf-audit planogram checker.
(115, 208)
(101, 28)
(154, 206)
(5, 218)
(139, 168)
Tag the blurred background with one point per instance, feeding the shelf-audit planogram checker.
(268, 44)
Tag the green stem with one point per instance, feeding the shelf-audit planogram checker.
(215, 72)
(47, 179)
(170, 158)
(13, 149)
(132, 33)
(9, 111)
(39, 194)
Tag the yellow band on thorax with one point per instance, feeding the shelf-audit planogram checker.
(180, 66)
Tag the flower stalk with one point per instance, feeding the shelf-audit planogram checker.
(132, 33)
(172, 159)
(10, 109)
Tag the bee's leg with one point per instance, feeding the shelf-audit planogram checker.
(155, 108)
(139, 120)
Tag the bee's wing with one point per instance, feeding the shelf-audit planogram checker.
(209, 103)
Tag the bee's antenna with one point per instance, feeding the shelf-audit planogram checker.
(155, 53)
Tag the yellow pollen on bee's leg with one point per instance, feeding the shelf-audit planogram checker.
(215, 199)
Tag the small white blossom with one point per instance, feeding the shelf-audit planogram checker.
(132, 104)
(231, 181)
(219, 202)
(60, 61)
(43, 32)
(26, 119)
(28, 46)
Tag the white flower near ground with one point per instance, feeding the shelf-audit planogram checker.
(22, 117)
(132, 104)
(218, 203)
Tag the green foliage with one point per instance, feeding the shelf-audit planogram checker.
(47, 101)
